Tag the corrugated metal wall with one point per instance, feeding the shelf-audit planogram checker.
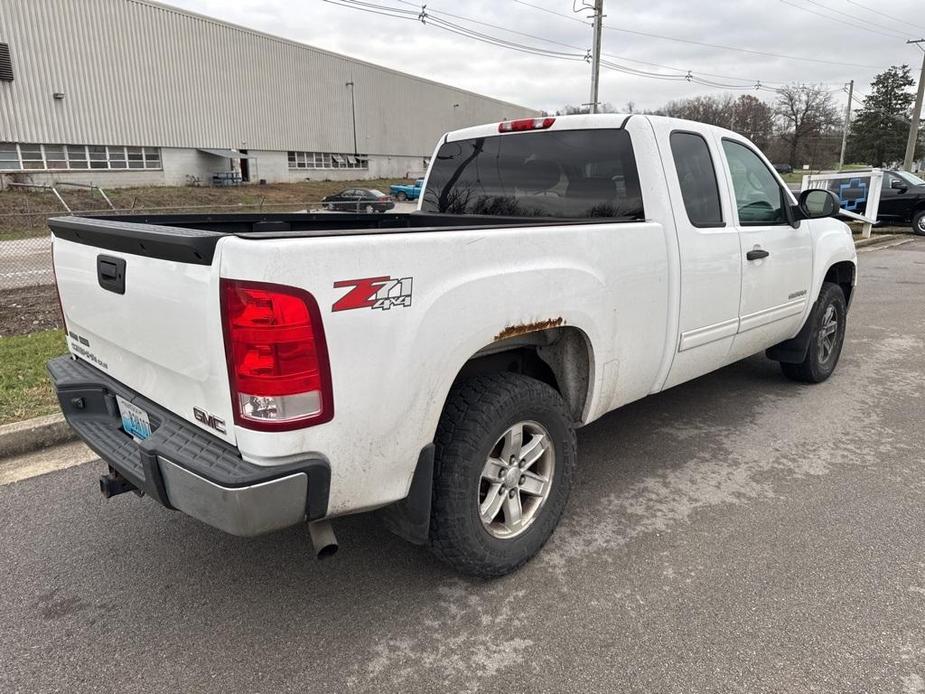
(138, 73)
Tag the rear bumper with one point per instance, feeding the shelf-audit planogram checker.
(184, 467)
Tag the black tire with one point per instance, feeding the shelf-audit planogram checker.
(918, 223)
(402, 196)
(820, 362)
(478, 412)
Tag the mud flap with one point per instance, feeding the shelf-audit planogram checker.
(410, 517)
(793, 351)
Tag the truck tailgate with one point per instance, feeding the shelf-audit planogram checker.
(158, 331)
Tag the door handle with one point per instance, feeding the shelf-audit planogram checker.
(757, 254)
(110, 273)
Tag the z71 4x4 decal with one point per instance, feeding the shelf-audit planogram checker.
(374, 292)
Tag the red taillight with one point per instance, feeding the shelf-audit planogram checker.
(513, 126)
(277, 357)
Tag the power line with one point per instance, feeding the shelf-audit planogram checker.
(854, 18)
(891, 35)
(683, 71)
(644, 62)
(434, 18)
(884, 14)
(707, 45)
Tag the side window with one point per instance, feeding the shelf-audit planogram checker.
(697, 177)
(759, 197)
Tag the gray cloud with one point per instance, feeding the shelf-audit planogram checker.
(542, 82)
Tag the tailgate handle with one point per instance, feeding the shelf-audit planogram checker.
(110, 272)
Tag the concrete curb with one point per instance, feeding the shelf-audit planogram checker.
(31, 435)
(877, 239)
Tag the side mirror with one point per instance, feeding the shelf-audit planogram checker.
(898, 185)
(818, 203)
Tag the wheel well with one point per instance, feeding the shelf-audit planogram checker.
(559, 357)
(842, 274)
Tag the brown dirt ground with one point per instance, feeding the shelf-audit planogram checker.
(29, 309)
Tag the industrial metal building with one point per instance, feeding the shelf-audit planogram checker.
(133, 92)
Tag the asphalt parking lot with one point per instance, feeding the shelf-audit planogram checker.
(736, 534)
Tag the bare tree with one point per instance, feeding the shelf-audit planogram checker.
(713, 110)
(753, 118)
(804, 112)
(748, 114)
(569, 110)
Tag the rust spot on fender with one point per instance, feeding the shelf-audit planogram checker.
(524, 328)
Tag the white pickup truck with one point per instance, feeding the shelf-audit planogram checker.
(258, 371)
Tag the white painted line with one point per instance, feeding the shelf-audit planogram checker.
(41, 463)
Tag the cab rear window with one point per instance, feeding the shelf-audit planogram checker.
(570, 174)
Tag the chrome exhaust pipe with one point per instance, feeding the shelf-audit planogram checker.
(323, 539)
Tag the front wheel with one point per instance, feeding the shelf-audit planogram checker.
(505, 455)
(827, 337)
(402, 196)
(918, 223)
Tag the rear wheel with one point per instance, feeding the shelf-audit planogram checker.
(827, 338)
(918, 223)
(505, 455)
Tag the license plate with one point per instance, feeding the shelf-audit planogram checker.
(134, 419)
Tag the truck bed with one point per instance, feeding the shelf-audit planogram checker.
(192, 238)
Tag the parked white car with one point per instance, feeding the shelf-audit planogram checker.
(256, 371)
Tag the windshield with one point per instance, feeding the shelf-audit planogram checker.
(911, 179)
(561, 174)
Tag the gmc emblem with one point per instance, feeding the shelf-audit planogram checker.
(209, 420)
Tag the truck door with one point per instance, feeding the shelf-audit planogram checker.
(896, 200)
(709, 252)
(776, 259)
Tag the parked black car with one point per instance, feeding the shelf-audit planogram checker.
(902, 200)
(358, 200)
(783, 168)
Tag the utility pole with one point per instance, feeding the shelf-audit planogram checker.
(916, 112)
(596, 52)
(353, 104)
(844, 132)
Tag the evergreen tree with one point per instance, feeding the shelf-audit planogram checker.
(881, 127)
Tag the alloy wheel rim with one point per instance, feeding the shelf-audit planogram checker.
(828, 334)
(921, 224)
(516, 479)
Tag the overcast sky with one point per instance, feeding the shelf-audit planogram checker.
(775, 26)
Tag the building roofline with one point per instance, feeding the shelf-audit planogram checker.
(304, 46)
